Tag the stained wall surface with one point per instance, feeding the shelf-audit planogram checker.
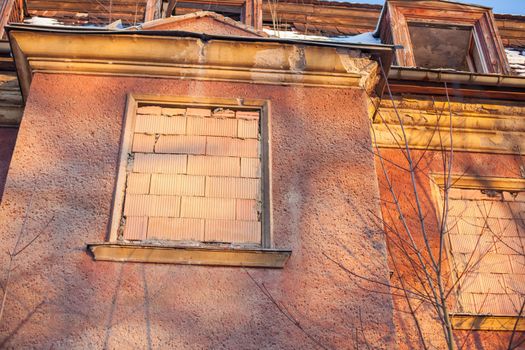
(325, 194)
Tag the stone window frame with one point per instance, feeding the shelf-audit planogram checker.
(206, 254)
(394, 24)
(472, 322)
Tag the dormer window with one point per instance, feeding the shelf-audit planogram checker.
(443, 35)
(443, 46)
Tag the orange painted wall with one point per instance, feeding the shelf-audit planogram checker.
(431, 162)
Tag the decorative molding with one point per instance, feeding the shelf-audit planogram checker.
(187, 255)
(482, 182)
(476, 127)
(438, 139)
(190, 56)
(487, 323)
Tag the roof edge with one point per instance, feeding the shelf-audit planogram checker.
(441, 75)
(180, 54)
(462, 84)
(203, 36)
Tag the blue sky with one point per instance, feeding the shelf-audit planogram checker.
(515, 7)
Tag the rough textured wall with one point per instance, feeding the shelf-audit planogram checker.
(432, 162)
(324, 193)
(7, 145)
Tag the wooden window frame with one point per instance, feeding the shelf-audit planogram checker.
(222, 9)
(467, 321)
(250, 11)
(180, 253)
(394, 28)
(471, 50)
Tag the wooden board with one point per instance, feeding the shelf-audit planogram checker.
(82, 12)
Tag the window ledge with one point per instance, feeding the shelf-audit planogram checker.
(487, 322)
(187, 255)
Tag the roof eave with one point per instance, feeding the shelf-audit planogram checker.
(320, 72)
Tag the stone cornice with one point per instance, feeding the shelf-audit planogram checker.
(495, 127)
(176, 55)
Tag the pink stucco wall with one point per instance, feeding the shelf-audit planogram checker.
(63, 173)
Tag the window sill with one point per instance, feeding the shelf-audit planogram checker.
(189, 255)
(487, 322)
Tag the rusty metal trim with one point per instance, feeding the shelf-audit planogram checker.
(189, 255)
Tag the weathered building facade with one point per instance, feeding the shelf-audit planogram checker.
(247, 175)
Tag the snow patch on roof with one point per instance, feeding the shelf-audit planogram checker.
(516, 58)
(365, 38)
(42, 21)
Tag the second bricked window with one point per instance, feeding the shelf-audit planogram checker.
(487, 251)
(193, 174)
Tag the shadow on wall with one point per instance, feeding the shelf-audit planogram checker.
(11, 110)
(7, 145)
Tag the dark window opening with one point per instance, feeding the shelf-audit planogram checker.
(233, 12)
(445, 46)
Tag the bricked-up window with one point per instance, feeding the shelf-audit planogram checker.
(193, 174)
(487, 250)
